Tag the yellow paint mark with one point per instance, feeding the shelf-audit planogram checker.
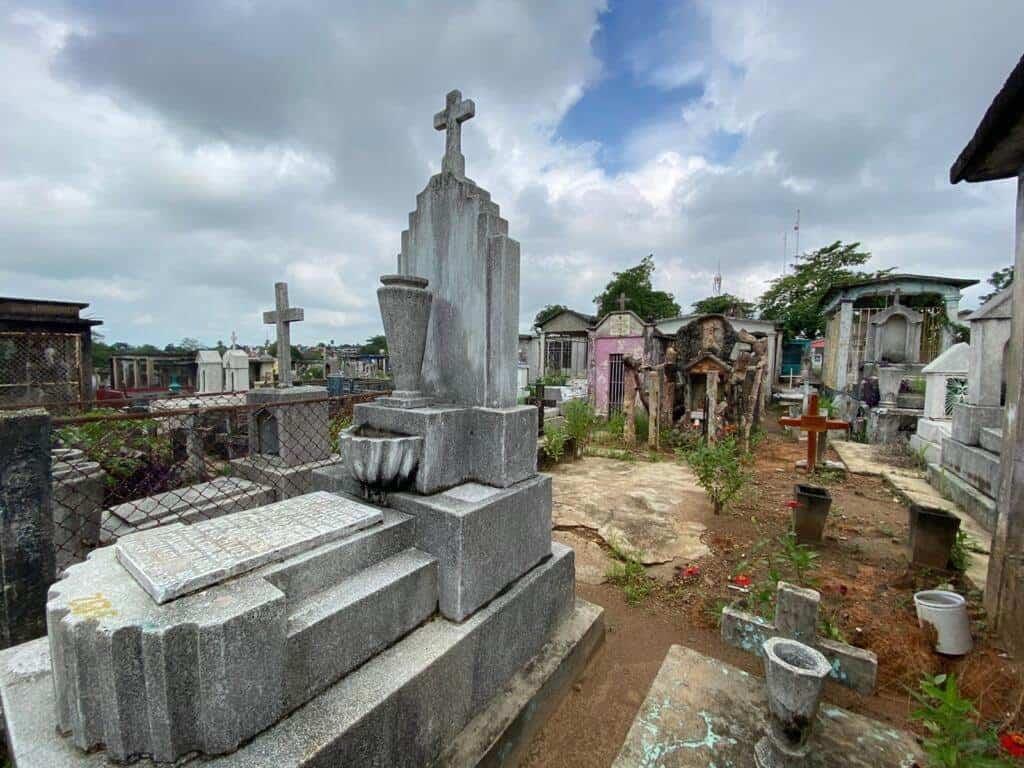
(94, 607)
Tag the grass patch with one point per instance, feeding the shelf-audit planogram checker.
(627, 573)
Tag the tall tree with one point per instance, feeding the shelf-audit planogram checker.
(1000, 279)
(725, 304)
(635, 284)
(547, 313)
(374, 345)
(793, 299)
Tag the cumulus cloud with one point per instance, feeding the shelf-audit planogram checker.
(168, 162)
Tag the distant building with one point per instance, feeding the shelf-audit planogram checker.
(45, 352)
(564, 344)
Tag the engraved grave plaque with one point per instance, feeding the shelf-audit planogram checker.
(176, 560)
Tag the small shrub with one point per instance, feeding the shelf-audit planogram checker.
(800, 558)
(555, 438)
(960, 552)
(684, 439)
(757, 437)
(616, 424)
(579, 422)
(719, 471)
(643, 425)
(955, 739)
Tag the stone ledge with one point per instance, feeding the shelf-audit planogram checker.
(980, 507)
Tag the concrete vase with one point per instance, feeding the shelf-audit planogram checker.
(795, 675)
(810, 513)
(932, 536)
(405, 309)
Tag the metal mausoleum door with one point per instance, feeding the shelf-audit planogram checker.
(615, 383)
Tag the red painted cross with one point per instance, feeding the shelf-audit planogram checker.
(812, 423)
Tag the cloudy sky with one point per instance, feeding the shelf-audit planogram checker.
(168, 162)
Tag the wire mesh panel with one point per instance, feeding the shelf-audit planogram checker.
(117, 471)
(38, 368)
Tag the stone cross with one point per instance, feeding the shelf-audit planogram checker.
(450, 120)
(283, 317)
(234, 339)
(796, 617)
(622, 302)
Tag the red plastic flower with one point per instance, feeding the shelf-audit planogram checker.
(690, 571)
(1013, 742)
(741, 580)
(792, 504)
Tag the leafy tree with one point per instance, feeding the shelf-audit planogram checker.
(547, 313)
(999, 280)
(635, 284)
(793, 299)
(724, 305)
(374, 345)
(189, 344)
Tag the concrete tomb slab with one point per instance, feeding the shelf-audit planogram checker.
(366, 717)
(175, 560)
(703, 712)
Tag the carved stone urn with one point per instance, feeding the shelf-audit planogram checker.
(405, 309)
(795, 674)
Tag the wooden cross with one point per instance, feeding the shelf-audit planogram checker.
(283, 317)
(622, 302)
(812, 423)
(450, 120)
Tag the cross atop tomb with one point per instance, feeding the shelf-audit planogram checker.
(234, 339)
(450, 119)
(283, 317)
(622, 302)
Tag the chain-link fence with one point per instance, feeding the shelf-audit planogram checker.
(37, 368)
(181, 460)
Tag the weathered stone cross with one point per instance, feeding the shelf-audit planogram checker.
(283, 317)
(796, 617)
(622, 302)
(450, 120)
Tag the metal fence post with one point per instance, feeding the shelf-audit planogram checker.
(26, 524)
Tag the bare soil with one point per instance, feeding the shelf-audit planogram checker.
(867, 591)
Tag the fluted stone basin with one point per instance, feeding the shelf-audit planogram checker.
(381, 460)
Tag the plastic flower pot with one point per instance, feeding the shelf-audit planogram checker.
(810, 512)
(932, 536)
(947, 612)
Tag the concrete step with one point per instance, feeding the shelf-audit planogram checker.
(932, 451)
(974, 464)
(333, 631)
(326, 566)
(991, 439)
(950, 485)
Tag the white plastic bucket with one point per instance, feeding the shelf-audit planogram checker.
(947, 612)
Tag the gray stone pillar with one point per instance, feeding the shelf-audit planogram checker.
(26, 533)
(843, 345)
(1004, 593)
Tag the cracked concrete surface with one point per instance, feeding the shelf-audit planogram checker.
(655, 509)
